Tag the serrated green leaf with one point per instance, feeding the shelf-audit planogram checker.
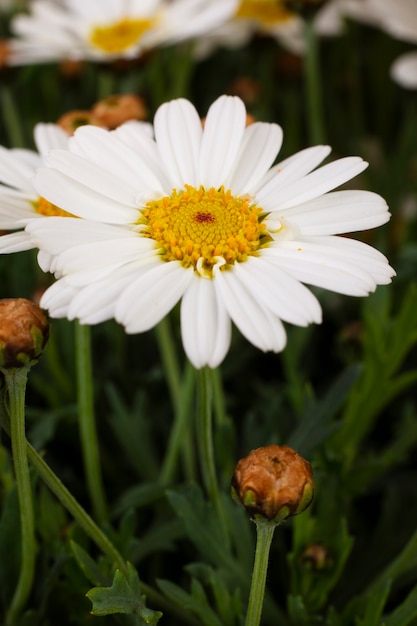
(122, 597)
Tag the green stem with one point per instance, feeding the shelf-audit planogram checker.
(11, 119)
(87, 423)
(179, 429)
(93, 531)
(264, 533)
(206, 447)
(82, 518)
(313, 87)
(218, 397)
(169, 360)
(16, 379)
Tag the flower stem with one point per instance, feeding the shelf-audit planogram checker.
(313, 86)
(178, 434)
(16, 379)
(11, 119)
(87, 423)
(206, 447)
(169, 360)
(264, 533)
(95, 533)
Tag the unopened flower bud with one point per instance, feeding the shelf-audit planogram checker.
(4, 53)
(24, 332)
(316, 556)
(117, 109)
(273, 482)
(74, 119)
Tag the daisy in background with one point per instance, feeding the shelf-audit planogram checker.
(202, 216)
(274, 18)
(104, 31)
(398, 18)
(19, 200)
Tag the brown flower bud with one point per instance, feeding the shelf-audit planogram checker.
(4, 53)
(248, 89)
(316, 557)
(117, 109)
(24, 332)
(273, 482)
(74, 119)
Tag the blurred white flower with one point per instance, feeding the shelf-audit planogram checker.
(103, 31)
(19, 200)
(399, 19)
(202, 216)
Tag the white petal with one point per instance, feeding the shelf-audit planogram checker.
(79, 200)
(279, 292)
(260, 146)
(14, 207)
(54, 235)
(96, 302)
(404, 70)
(190, 18)
(16, 171)
(113, 153)
(315, 184)
(15, 242)
(327, 266)
(151, 296)
(257, 324)
(49, 137)
(57, 298)
(205, 324)
(92, 261)
(178, 134)
(222, 138)
(92, 176)
(338, 212)
(292, 168)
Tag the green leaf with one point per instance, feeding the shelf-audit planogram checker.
(89, 567)
(406, 612)
(375, 606)
(203, 529)
(196, 601)
(123, 596)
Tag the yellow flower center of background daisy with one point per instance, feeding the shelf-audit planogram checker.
(120, 36)
(44, 207)
(264, 11)
(200, 227)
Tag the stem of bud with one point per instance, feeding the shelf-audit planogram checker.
(264, 534)
(16, 379)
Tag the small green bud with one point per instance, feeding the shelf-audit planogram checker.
(24, 332)
(273, 482)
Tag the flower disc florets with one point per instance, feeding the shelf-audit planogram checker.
(201, 227)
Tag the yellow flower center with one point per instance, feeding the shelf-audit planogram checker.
(120, 36)
(44, 207)
(266, 12)
(201, 227)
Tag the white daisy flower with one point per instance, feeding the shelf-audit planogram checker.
(101, 30)
(202, 216)
(399, 19)
(255, 17)
(19, 201)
